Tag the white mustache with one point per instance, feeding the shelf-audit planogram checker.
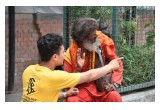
(90, 45)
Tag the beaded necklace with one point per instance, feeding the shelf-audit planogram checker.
(90, 60)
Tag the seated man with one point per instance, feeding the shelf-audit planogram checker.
(85, 36)
(42, 83)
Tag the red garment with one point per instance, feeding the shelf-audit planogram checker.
(88, 91)
(83, 96)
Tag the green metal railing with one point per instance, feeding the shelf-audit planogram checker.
(136, 87)
(127, 25)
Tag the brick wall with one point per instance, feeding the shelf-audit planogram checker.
(140, 35)
(28, 28)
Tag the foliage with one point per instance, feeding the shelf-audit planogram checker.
(139, 61)
(100, 13)
(151, 33)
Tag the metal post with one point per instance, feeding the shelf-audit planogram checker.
(11, 69)
(65, 27)
(133, 31)
(114, 24)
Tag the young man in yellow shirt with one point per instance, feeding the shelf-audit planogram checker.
(41, 83)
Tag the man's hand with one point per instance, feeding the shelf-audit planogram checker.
(114, 63)
(80, 59)
(109, 87)
(72, 91)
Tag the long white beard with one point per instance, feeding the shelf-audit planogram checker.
(90, 45)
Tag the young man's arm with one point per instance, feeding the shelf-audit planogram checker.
(99, 72)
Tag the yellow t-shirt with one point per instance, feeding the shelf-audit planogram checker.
(40, 84)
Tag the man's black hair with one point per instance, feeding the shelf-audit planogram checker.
(48, 45)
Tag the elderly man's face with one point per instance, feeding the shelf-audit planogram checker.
(91, 43)
(92, 37)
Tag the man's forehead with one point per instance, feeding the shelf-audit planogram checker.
(62, 47)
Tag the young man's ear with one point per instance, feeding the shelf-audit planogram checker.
(55, 57)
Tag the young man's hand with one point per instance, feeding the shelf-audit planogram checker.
(114, 63)
(72, 91)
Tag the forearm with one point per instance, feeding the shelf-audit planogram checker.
(99, 72)
(94, 74)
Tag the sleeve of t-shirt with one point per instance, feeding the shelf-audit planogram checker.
(62, 79)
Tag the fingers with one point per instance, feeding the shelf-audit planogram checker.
(83, 56)
(78, 51)
(115, 63)
(109, 88)
(119, 58)
(72, 91)
(75, 89)
(113, 88)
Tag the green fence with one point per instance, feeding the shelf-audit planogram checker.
(133, 30)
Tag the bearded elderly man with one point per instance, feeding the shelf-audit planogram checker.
(86, 36)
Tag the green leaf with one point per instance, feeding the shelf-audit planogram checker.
(146, 25)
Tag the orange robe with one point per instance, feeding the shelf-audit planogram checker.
(90, 89)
